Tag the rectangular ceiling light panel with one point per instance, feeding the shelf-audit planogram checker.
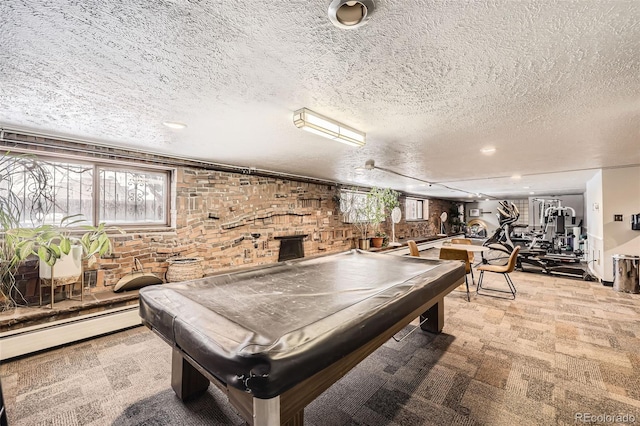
(324, 126)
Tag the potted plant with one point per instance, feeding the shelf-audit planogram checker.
(15, 170)
(382, 201)
(380, 239)
(455, 218)
(363, 218)
(61, 249)
(50, 243)
(356, 209)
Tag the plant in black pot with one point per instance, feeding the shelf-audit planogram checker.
(455, 218)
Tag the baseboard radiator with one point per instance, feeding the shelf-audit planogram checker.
(50, 335)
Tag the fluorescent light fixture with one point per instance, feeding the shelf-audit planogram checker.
(488, 150)
(174, 125)
(320, 125)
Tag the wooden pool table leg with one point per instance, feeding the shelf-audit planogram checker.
(266, 412)
(434, 317)
(187, 382)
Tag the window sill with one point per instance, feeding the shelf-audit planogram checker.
(142, 230)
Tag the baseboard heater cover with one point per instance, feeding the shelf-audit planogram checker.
(27, 340)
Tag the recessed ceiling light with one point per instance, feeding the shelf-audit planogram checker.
(516, 177)
(486, 199)
(174, 125)
(488, 150)
(350, 13)
(526, 187)
(531, 193)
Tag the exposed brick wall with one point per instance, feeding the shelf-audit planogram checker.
(217, 211)
(416, 229)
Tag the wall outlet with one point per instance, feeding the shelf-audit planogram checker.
(617, 218)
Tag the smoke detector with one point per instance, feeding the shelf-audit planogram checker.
(350, 14)
(369, 165)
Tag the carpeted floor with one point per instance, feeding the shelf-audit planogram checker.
(562, 349)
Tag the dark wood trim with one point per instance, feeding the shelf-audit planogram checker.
(187, 382)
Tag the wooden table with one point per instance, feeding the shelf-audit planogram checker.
(468, 247)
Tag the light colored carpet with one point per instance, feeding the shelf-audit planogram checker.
(562, 348)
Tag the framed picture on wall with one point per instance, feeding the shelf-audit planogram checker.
(474, 212)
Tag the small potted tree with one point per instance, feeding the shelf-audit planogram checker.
(364, 212)
(356, 210)
(382, 202)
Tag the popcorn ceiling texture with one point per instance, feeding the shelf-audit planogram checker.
(553, 84)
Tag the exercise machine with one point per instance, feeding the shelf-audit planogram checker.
(500, 243)
(551, 249)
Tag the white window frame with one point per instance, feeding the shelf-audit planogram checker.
(96, 166)
(416, 209)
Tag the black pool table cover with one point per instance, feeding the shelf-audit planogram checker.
(267, 329)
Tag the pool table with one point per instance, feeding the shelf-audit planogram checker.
(274, 338)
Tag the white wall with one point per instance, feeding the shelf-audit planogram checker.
(488, 211)
(621, 195)
(593, 216)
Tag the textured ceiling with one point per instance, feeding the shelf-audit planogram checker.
(553, 85)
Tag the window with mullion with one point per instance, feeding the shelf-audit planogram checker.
(38, 192)
(416, 209)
